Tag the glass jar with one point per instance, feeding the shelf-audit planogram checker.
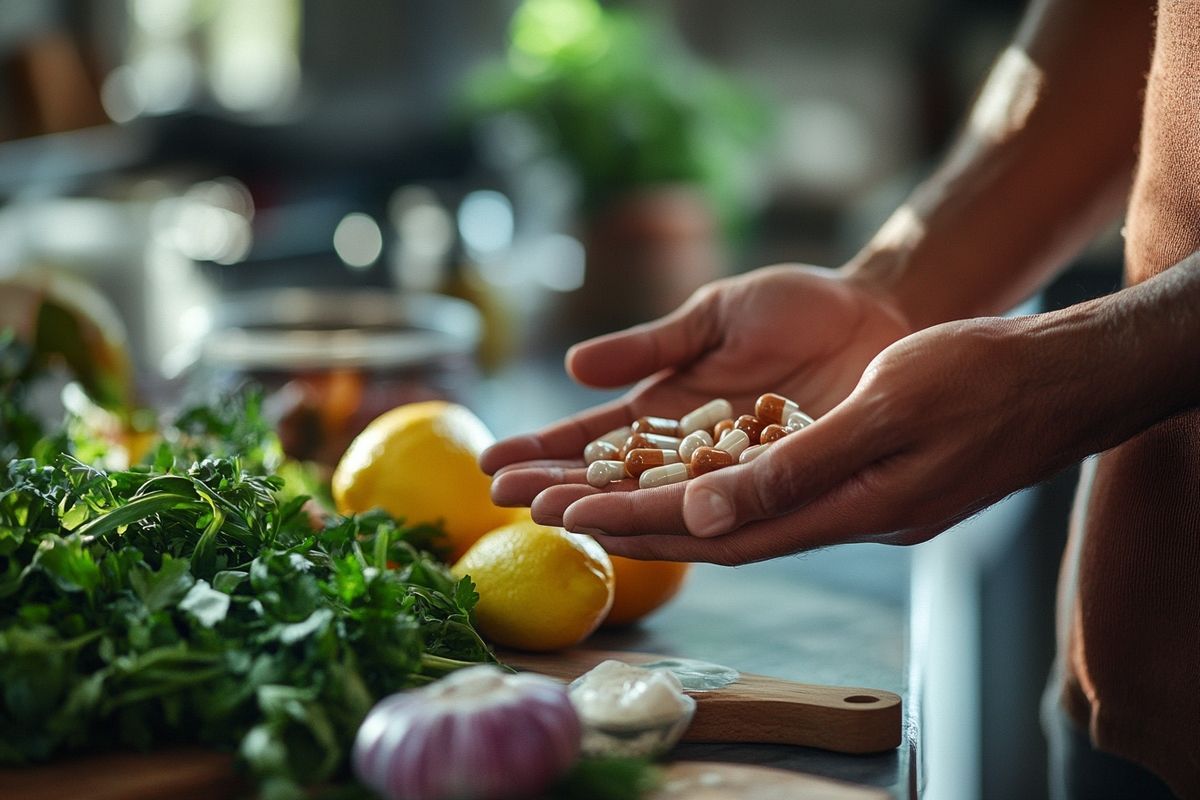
(331, 361)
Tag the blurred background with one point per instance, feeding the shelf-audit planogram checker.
(361, 204)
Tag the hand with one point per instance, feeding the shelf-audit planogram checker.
(801, 331)
(942, 424)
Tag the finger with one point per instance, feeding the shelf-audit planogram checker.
(646, 511)
(548, 507)
(518, 487)
(793, 471)
(543, 463)
(727, 550)
(851, 512)
(617, 359)
(564, 439)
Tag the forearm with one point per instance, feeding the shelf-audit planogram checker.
(1045, 160)
(1122, 363)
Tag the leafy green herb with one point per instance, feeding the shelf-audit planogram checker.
(186, 601)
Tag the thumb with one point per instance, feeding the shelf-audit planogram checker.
(791, 473)
(621, 358)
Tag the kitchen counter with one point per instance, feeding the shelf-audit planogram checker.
(839, 616)
(786, 619)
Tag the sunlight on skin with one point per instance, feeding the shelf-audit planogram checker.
(901, 233)
(1008, 97)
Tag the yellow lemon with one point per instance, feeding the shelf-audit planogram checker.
(421, 462)
(641, 587)
(539, 588)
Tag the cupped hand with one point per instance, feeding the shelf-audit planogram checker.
(942, 424)
(804, 332)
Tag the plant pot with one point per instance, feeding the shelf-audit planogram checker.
(646, 253)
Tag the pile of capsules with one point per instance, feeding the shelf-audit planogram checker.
(660, 451)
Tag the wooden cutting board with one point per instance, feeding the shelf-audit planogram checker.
(759, 709)
(176, 774)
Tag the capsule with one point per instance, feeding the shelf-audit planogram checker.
(600, 451)
(664, 475)
(721, 428)
(602, 473)
(773, 433)
(707, 459)
(752, 425)
(691, 442)
(643, 458)
(774, 408)
(705, 416)
(595, 450)
(660, 425)
(752, 452)
(654, 441)
(798, 419)
(734, 442)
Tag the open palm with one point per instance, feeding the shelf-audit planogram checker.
(799, 331)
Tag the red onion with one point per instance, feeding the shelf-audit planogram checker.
(476, 734)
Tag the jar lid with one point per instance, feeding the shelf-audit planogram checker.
(288, 329)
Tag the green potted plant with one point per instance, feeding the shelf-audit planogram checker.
(663, 145)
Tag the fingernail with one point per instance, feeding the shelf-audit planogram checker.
(712, 512)
(588, 531)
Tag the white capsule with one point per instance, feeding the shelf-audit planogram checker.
(706, 416)
(734, 442)
(692, 441)
(752, 452)
(602, 473)
(798, 419)
(663, 476)
(600, 451)
(595, 450)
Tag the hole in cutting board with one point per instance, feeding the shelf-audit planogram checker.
(861, 698)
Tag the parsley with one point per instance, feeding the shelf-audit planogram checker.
(187, 601)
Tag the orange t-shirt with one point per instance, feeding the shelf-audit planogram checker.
(1131, 589)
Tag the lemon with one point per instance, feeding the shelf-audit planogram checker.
(421, 462)
(539, 588)
(641, 587)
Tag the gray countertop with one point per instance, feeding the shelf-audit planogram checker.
(786, 619)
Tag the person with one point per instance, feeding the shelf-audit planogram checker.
(931, 406)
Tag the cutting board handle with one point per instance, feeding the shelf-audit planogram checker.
(759, 709)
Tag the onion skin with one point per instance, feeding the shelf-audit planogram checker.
(478, 734)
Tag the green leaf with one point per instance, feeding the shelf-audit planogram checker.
(206, 604)
(229, 580)
(316, 623)
(67, 564)
(164, 588)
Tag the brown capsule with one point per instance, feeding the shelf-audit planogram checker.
(641, 459)
(773, 433)
(707, 459)
(660, 425)
(654, 441)
(723, 427)
(774, 408)
(752, 425)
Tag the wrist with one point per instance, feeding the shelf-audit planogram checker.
(877, 273)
